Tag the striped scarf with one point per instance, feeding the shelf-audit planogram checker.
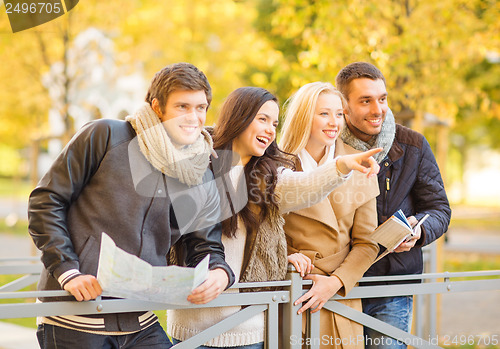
(383, 140)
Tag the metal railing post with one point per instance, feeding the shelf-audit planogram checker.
(292, 322)
(313, 329)
(432, 298)
(425, 317)
(272, 331)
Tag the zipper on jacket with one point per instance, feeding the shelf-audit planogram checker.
(387, 187)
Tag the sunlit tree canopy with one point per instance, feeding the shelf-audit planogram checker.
(439, 57)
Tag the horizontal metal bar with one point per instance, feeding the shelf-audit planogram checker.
(357, 292)
(283, 283)
(104, 306)
(421, 288)
(20, 269)
(257, 297)
(33, 294)
(431, 276)
(19, 259)
(20, 283)
(226, 299)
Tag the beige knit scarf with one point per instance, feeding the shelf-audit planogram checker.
(187, 164)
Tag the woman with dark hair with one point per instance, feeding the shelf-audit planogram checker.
(253, 236)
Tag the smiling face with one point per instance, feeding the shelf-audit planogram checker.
(327, 123)
(367, 107)
(259, 134)
(184, 115)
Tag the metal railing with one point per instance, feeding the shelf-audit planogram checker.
(279, 331)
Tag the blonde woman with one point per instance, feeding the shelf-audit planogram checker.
(334, 233)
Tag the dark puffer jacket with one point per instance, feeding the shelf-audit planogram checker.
(409, 179)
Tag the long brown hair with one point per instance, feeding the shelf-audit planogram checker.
(261, 172)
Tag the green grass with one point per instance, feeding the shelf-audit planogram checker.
(459, 262)
(15, 188)
(471, 261)
(162, 317)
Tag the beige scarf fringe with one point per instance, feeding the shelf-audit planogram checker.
(187, 164)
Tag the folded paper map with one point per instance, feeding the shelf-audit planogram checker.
(124, 275)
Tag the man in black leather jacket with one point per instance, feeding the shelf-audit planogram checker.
(409, 179)
(144, 182)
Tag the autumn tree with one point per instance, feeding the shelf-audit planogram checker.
(218, 37)
(422, 47)
(426, 49)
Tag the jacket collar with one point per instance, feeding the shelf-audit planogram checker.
(396, 152)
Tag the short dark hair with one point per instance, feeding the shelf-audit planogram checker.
(356, 70)
(174, 77)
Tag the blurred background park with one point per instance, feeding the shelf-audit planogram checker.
(441, 60)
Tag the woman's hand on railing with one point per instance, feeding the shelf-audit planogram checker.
(212, 287)
(323, 288)
(362, 162)
(301, 262)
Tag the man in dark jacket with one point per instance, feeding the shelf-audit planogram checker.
(145, 183)
(409, 179)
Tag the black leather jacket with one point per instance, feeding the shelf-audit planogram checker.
(101, 183)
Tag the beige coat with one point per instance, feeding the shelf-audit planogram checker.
(335, 235)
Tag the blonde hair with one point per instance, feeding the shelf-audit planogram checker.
(300, 109)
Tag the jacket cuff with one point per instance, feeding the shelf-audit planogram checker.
(340, 174)
(421, 242)
(228, 270)
(345, 289)
(64, 267)
(68, 276)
